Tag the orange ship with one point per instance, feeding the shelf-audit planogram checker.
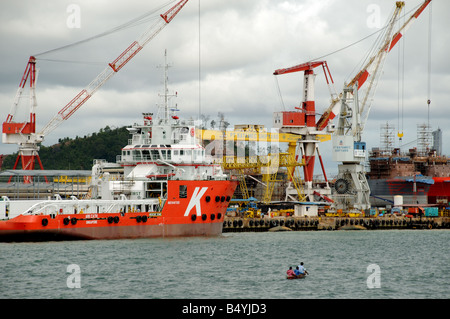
(165, 186)
(197, 212)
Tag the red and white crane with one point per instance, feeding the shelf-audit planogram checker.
(351, 121)
(24, 133)
(370, 69)
(303, 121)
(351, 185)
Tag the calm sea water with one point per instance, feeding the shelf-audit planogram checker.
(412, 264)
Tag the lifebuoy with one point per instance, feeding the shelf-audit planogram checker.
(44, 222)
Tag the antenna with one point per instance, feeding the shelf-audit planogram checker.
(166, 94)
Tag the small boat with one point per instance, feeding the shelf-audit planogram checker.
(296, 277)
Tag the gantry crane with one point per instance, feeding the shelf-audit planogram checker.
(351, 185)
(303, 122)
(24, 133)
(266, 165)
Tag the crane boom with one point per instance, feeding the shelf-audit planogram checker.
(111, 69)
(369, 68)
(348, 147)
(24, 134)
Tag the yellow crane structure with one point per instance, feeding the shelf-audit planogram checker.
(266, 165)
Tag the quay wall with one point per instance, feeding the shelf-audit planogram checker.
(240, 224)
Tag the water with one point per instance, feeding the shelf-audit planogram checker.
(412, 264)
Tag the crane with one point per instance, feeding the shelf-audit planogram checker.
(24, 133)
(351, 185)
(303, 120)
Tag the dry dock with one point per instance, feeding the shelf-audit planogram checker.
(239, 224)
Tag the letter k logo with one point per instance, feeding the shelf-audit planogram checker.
(195, 201)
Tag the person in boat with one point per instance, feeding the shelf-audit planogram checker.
(297, 272)
(302, 269)
(290, 272)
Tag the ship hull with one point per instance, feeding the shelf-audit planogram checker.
(112, 232)
(199, 213)
(439, 192)
(383, 191)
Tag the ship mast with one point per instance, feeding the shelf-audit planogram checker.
(165, 95)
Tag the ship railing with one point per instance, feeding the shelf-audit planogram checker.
(139, 140)
(67, 206)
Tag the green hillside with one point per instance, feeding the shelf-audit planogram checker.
(78, 153)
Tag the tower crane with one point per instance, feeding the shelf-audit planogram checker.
(303, 122)
(24, 133)
(348, 148)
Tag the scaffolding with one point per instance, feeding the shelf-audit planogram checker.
(424, 139)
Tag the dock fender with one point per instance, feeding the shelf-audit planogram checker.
(44, 222)
(73, 221)
(66, 221)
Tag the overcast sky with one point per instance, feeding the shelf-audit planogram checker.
(223, 54)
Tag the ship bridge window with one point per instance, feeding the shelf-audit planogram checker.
(137, 155)
(183, 191)
(146, 155)
(163, 154)
(155, 154)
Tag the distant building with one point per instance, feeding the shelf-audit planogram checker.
(437, 141)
